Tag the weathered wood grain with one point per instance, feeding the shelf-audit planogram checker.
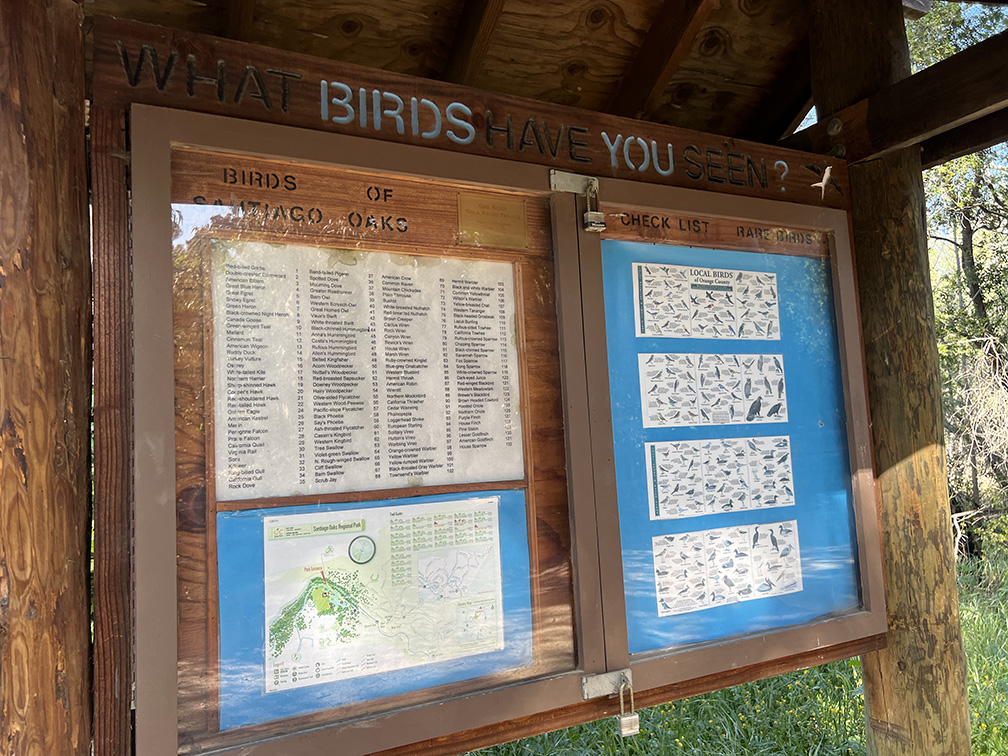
(665, 47)
(113, 437)
(216, 76)
(45, 356)
(963, 140)
(915, 689)
(475, 30)
(969, 85)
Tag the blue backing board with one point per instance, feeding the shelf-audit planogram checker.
(816, 425)
(240, 557)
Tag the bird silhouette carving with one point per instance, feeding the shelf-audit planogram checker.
(825, 178)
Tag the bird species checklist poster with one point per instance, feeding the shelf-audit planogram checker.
(730, 441)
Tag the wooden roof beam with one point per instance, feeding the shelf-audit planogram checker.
(665, 47)
(914, 9)
(472, 40)
(967, 86)
(975, 135)
(239, 19)
(786, 102)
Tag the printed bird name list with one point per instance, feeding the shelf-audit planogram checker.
(338, 370)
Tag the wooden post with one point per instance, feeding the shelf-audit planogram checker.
(915, 689)
(44, 382)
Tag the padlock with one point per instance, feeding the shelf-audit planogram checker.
(629, 723)
(594, 219)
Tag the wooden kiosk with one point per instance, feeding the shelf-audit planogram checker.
(441, 417)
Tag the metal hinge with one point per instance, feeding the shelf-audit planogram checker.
(605, 683)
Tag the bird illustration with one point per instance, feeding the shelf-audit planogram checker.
(754, 409)
(773, 541)
(773, 411)
(784, 530)
(755, 538)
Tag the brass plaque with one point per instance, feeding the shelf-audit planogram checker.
(486, 221)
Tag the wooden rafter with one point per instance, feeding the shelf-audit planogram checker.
(666, 45)
(976, 135)
(967, 86)
(238, 24)
(914, 9)
(785, 104)
(475, 29)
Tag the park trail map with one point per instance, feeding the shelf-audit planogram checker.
(365, 591)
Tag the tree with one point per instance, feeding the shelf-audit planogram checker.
(967, 225)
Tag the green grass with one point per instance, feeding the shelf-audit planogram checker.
(983, 608)
(814, 712)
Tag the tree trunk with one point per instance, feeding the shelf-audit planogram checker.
(44, 382)
(915, 689)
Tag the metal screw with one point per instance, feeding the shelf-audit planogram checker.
(834, 126)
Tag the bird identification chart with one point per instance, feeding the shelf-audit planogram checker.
(692, 478)
(711, 389)
(729, 440)
(682, 302)
(711, 567)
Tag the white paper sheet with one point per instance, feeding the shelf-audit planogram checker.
(679, 301)
(364, 591)
(708, 568)
(679, 389)
(712, 476)
(340, 370)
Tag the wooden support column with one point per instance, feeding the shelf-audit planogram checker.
(915, 689)
(45, 339)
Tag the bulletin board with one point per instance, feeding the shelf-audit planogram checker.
(435, 446)
(730, 396)
(369, 485)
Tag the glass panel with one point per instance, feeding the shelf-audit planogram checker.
(729, 425)
(371, 491)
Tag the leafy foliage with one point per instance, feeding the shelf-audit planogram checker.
(968, 230)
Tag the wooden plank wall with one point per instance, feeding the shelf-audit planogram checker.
(45, 357)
